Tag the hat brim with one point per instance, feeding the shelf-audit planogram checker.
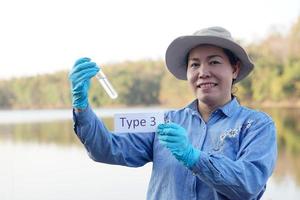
(176, 54)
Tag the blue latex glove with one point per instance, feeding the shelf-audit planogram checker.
(174, 137)
(80, 75)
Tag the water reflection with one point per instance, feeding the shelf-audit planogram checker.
(60, 133)
(57, 132)
(52, 132)
(288, 139)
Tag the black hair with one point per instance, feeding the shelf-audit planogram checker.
(233, 59)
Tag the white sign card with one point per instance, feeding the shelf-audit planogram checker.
(137, 122)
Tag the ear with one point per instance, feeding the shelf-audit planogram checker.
(236, 69)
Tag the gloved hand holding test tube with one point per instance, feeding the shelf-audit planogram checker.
(83, 70)
(106, 85)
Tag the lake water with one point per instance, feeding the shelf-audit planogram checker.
(41, 158)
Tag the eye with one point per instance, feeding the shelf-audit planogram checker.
(214, 62)
(193, 65)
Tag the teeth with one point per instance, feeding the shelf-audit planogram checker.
(206, 85)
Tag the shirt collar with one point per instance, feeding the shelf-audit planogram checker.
(228, 109)
(194, 106)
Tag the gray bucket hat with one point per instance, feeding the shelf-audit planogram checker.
(176, 54)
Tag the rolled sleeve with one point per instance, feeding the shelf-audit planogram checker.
(245, 177)
(128, 149)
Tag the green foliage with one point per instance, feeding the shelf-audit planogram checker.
(174, 92)
(6, 96)
(277, 69)
(276, 78)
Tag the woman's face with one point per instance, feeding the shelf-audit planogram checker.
(210, 74)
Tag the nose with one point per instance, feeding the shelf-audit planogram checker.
(203, 71)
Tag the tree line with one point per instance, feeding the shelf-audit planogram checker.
(275, 80)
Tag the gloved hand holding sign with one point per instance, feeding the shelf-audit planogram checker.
(174, 137)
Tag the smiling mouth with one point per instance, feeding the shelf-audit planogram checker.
(206, 85)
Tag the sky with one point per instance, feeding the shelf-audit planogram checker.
(45, 36)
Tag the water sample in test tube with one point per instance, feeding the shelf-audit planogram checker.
(106, 85)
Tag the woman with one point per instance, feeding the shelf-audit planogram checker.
(213, 148)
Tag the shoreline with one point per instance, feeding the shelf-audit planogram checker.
(13, 116)
(265, 104)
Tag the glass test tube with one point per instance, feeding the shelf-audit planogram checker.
(106, 85)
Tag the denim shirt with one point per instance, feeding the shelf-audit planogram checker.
(237, 152)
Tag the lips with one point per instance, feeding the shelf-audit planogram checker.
(206, 85)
